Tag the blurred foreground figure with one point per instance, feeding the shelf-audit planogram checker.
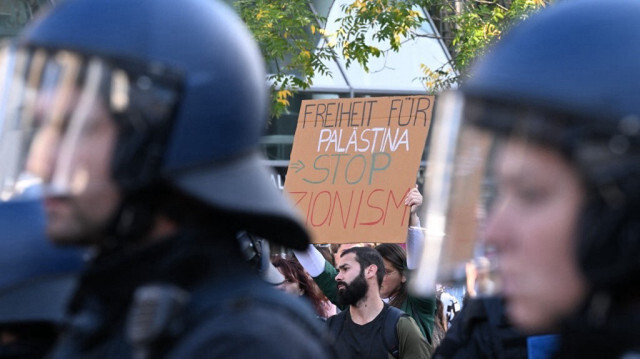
(142, 119)
(547, 131)
(36, 282)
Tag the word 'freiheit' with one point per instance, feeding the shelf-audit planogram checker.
(409, 111)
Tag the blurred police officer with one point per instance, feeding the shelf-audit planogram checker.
(142, 120)
(554, 112)
(36, 278)
(36, 282)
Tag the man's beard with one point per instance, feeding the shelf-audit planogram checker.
(352, 292)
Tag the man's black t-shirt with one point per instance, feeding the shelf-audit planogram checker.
(362, 341)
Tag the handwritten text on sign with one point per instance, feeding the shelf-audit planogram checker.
(352, 163)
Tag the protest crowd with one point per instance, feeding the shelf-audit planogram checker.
(138, 219)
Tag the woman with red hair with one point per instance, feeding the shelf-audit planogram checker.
(298, 282)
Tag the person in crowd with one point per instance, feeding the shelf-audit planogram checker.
(440, 324)
(335, 247)
(299, 283)
(326, 252)
(394, 287)
(397, 265)
(142, 123)
(360, 330)
(478, 278)
(451, 304)
(481, 330)
(36, 282)
(339, 248)
(556, 102)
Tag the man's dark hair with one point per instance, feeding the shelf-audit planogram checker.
(366, 256)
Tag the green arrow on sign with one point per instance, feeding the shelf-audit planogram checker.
(298, 166)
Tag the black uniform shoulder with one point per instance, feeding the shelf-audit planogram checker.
(480, 330)
(252, 320)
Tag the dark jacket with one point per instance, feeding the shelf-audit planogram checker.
(616, 335)
(480, 330)
(210, 305)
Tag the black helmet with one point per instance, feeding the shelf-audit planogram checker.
(186, 84)
(571, 74)
(36, 280)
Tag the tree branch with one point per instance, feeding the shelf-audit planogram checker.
(491, 3)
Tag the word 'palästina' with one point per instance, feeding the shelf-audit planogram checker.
(378, 139)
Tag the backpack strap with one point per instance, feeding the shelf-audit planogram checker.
(390, 332)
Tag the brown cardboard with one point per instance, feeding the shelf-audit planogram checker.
(352, 163)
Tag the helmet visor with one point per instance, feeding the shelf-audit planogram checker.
(53, 105)
(494, 171)
(456, 192)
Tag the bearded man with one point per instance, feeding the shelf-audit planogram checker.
(361, 331)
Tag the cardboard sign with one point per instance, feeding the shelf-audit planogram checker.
(353, 162)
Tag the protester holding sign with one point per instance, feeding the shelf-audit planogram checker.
(393, 288)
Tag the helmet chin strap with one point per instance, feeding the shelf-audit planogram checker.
(598, 308)
(608, 248)
(130, 224)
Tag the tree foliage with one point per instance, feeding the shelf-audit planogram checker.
(468, 27)
(289, 32)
